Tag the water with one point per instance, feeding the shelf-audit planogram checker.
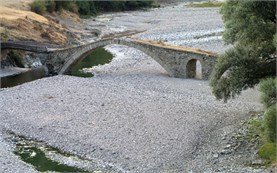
(34, 154)
(33, 74)
(98, 57)
(37, 158)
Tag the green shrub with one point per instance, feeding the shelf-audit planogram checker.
(50, 6)
(270, 123)
(62, 4)
(268, 152)
(38, 6)
(88, 7)
(256, 128)
(268, 89)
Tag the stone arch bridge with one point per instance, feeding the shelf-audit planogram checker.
(178, 61)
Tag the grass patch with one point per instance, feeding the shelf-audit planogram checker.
(268, 152)
(256, 132)
(205, 4)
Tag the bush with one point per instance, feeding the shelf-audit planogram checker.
(62, 4)
(38, 7)
(50, 6)
(268, 89)
(84, 7)
(88, 7)
(270, 123)
(268, 152)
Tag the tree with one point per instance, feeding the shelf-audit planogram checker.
(251, 27)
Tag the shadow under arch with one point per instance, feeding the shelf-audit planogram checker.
(194, 69)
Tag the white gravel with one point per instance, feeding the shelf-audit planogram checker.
(180, 25)
(139, 121)
(131, 114)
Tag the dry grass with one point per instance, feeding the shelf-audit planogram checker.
(26, 25)
(13, 14)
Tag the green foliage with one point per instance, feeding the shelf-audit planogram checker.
(268, 152)
(87, 8)
(50, 6)
(38, 6)
(250, 26)
(270, 123)
(268, 89)
(84, 7)
(256, 132)
(60, 4)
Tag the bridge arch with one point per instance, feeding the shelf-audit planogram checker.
(84, 51)
(194, 69)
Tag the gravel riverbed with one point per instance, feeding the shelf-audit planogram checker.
(138, 121)
(131, 116)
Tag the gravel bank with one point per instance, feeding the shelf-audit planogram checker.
(180, 25)
(138, 121)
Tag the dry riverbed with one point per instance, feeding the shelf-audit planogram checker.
(133, 117)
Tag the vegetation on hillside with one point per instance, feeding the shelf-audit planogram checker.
(88, 7)
(251, 27)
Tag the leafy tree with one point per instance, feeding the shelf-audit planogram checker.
(84, 7)
(50, 6)
(88, 7)
(60, 4)
(251, 27)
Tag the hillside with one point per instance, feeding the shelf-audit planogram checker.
(19, 23)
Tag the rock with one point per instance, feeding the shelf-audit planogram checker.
(215, 156)
(227, 146)
(258, 162)
(225, 151)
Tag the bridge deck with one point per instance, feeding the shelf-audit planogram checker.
(44, 48)
(174, 47)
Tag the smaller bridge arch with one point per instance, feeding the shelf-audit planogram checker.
(194, 69)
